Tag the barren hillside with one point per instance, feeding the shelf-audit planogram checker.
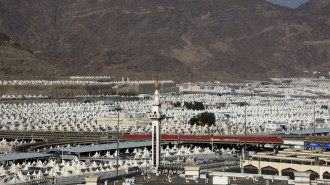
(19, 63)
(185, 40)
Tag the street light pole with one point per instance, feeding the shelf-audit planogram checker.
(212, 144)
(62, 154)
(117, 142)
(245, 133)
(314, 118)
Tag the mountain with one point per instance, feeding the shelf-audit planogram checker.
(19, 63)
(184, 40)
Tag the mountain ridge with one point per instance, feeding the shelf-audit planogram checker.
(181, 40)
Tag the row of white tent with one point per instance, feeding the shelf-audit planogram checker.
(260, 111)
(75, 82)
(6, 147)
(10, 97)
(296, 87)
(14, 173)
(168, 152)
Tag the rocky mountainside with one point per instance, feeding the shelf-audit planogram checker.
(184, 40)
(19, 63)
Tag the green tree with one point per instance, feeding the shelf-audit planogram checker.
(205, 117)
(188, 105)
(194, 106)
(198, 106)
(194, 120)
(177, 104)
(129, 93)
(324, 107)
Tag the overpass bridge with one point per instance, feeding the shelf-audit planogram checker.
(307, 132)
(52, 138)
(112, 136)
(165, 139)
(47, 135)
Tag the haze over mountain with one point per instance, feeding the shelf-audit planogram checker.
(184, 40)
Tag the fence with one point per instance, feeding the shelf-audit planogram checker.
(37, 182)
(199, 157)
(81, 178)
(76, 179)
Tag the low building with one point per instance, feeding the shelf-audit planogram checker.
(273, 127)
(288, 161)
(127, 119)
(146, 87)
(194, 87)
(144, 96)
(191, 172)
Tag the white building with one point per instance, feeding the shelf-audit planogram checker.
(273, 127)
(156, 117)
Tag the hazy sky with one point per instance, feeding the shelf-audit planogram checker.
(289, 3)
